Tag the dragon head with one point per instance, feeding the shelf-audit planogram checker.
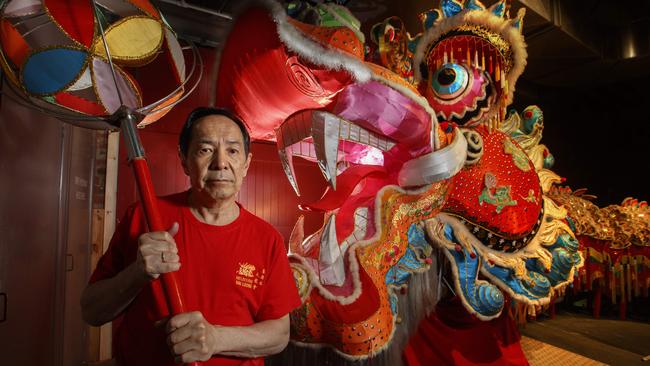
(497, 224)
(302, 82)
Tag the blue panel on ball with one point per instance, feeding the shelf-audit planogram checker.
(50, 71)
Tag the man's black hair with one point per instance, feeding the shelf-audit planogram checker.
(198, 113)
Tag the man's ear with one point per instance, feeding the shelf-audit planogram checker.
(248, 163)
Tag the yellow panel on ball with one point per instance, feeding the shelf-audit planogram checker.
(132, 41)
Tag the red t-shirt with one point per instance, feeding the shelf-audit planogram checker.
(236, 274)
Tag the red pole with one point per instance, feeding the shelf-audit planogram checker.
(171, 295)
(150, 204)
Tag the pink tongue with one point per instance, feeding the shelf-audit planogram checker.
(345, 183)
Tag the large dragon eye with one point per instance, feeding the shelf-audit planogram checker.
(450, 81)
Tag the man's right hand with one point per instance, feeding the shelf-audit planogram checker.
(157, 253)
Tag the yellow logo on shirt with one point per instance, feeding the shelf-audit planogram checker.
(246, 269)
(246, 276)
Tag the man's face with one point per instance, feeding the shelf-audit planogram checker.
(216, 161)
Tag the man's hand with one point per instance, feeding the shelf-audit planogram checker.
(191, 338)
(157, 253)
(104, 300)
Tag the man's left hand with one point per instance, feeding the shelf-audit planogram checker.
(190, 337)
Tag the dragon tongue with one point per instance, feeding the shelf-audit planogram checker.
(347, 181)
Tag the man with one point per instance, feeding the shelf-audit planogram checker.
(232, 268)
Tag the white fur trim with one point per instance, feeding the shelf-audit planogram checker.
(311, 50)
(315, 279)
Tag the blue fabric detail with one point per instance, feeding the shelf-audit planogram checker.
(532, 264)
(417, 237)
(576, 260)
(572, 224)
(50, 71)
(450, 8)
(534, 287)
(499, 9)
(563, 261)
(449, 234)
(413, 43)
(567, 242)
(393, 301)
(549, 161)
(528, 124)
(411, 261)
(430, 18)
(486, 299)
(562, 265)
(565, 257)
(473, 5)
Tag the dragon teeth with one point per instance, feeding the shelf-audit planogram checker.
(315, 135)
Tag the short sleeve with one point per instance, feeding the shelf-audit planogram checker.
(280, 293)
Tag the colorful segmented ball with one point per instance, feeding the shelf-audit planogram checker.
(56, 52)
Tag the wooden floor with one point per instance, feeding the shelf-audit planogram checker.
(607, 341)
(543, 354)
(578, 340)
